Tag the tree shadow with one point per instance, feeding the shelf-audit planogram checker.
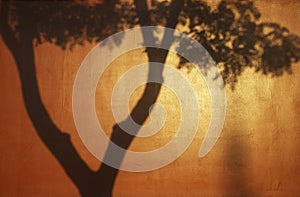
(237, 180)
(231, 33)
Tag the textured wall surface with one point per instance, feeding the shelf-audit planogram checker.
(256, 155)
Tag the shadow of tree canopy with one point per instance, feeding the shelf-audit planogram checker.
(231, 32)
(236, 38)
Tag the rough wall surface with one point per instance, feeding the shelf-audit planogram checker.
(256, 155)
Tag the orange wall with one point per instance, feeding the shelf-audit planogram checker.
(257, 153)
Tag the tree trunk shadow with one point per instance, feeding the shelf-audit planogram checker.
(237, 175)
(88, 182)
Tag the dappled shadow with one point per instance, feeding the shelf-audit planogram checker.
(236, 38)
(232, 33)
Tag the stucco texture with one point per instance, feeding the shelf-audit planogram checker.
(257, 153)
